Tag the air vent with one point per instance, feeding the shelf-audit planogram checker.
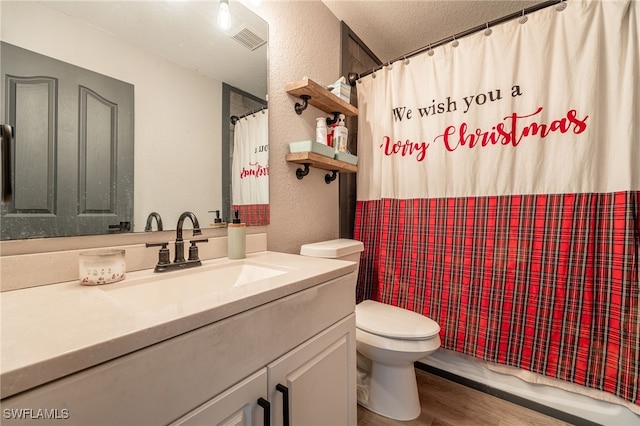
(248, 39)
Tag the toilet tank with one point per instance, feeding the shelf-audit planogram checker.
(341, 248)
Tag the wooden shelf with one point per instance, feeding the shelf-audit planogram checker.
(312, 93)
(319, 97)
(320, 162)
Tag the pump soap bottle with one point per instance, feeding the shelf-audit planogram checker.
(217, 222)
(236, 240)
(340, 135)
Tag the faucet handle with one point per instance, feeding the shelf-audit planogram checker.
(193, 250)
(163, 254)
(203, 240)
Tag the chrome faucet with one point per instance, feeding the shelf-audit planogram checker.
(179, 262)
(153, 215)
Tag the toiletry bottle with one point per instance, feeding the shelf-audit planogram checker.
(236, 241)
(330, 135)
(340, 134)
(321, 130)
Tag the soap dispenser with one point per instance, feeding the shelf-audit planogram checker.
(217, 222)
(236, 240)
(340, 135)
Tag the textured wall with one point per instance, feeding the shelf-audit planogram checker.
(304, 40)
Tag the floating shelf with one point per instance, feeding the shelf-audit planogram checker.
(321, 162)
(311, 92)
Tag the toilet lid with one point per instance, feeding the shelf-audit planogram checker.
(394, 322)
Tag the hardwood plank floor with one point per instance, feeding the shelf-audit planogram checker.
(446, 403)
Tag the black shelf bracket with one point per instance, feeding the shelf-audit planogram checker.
(300, 173)
(299, 107)
(328, 178)
(330, 120)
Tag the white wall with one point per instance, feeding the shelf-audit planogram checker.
(177, 111)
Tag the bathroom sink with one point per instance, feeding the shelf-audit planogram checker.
(179, 287)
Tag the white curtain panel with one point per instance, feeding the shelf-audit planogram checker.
(548, 106)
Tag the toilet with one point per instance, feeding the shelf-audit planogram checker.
(389, 340)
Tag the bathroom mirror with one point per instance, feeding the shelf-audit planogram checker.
(177, 59)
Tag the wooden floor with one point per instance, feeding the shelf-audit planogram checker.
(446, 403)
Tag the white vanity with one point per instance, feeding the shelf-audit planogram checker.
(224, 343)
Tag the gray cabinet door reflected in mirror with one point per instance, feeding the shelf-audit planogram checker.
(72, 153)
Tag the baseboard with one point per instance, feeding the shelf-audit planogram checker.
(523, 402)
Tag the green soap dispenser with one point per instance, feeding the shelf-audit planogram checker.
(236, 239)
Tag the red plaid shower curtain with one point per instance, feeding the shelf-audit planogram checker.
(511, 216)
(547, 283)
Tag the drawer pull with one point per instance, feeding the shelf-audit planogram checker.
(285, 403)
(267, 410)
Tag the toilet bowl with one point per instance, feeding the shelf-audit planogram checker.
(389, 340)
(393, 339)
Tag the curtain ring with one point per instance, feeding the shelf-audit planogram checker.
(373, 74)
(406, 60)
(488, 31)
(455, 43)
(523, 18)
(430, 51)
(389, 66)
(561, 6)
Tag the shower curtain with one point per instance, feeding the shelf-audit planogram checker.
(250, 169)
(498, 192)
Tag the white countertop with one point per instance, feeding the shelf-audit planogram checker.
(51, 331)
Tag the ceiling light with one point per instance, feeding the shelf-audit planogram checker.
(224, 16)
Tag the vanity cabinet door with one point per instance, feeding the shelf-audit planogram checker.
(237, 406)
(318, 378)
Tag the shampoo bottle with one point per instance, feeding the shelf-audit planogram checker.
(340, 135)
(236, 240)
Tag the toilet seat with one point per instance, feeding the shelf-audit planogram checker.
(393, 322)
(397, 346)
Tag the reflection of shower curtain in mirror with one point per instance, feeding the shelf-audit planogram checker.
(250, 169)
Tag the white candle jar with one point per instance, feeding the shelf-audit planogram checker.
(102, 267)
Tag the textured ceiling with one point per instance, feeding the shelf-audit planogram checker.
(392, 28)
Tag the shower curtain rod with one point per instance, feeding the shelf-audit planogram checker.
(353, 77)
(234, 118)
